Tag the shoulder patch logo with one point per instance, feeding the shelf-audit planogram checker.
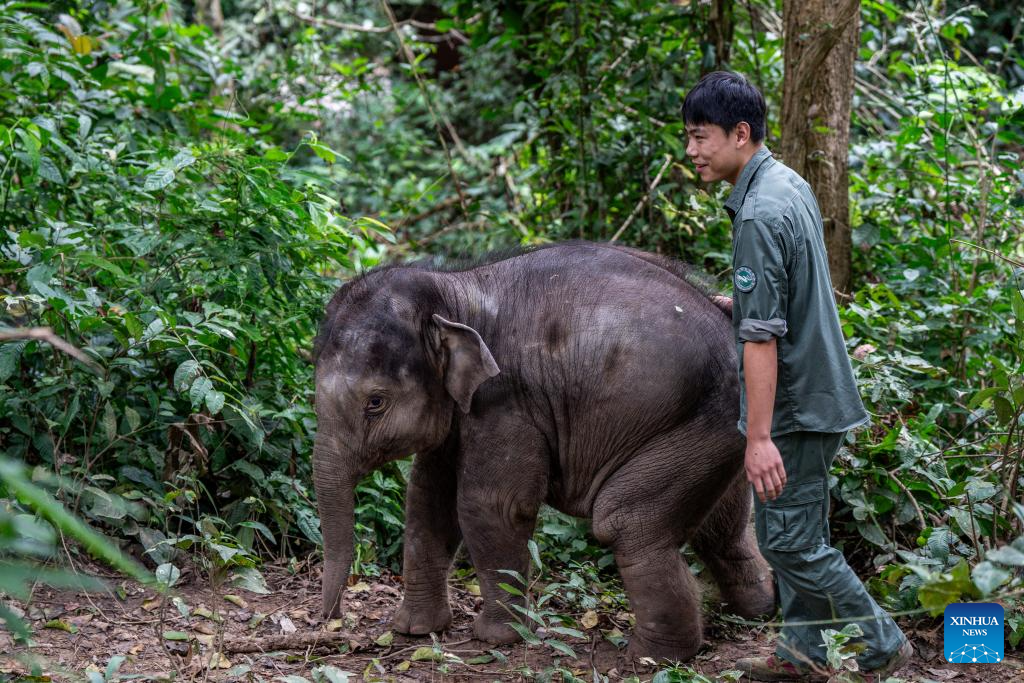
(745, 279)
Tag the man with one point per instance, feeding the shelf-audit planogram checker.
(798, 397)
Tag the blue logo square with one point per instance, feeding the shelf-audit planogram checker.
(973, 633)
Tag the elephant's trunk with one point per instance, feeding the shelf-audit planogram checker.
(334, 478)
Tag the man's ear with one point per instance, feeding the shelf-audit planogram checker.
(467, 361)
(742, 133)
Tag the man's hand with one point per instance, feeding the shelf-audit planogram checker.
(765, 471)
(723, 302)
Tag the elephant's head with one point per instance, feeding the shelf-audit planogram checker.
(390, 371)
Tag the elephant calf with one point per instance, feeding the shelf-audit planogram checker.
(594, 378)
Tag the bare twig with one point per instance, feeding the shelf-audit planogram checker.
(643, 200)
(47, 335)
(411, 59)
(913, 501)
(359, 28)
(292, 641)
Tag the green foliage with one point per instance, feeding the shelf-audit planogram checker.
(26, 541)
(174, 203)
(157, 226)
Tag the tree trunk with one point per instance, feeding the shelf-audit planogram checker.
(821, 38)
(209, 12)
(718, 34)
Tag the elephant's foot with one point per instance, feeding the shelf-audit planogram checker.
(420, 620)
(751, 600)
(493, 631)
(673, 647)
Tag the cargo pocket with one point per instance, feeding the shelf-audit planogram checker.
(793, 521)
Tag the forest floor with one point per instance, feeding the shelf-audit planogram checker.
(75, 633)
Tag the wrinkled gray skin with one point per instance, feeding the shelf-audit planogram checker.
(590, 377)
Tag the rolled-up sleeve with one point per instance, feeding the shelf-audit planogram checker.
(759, 282)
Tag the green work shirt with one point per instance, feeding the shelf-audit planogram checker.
(782, 288)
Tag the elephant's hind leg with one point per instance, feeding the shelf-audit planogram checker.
(662, 595)
(725, 542)
(431, 539)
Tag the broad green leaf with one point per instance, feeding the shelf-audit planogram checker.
(1006, 555)
(153, 329)
(275, 154)
(214, 401)
(84, 126)
(167, 575)
(250, 579)
(182, 159)
(1004, 409)
(427, 654)
(99, 546)
(331, 674)
(508, 588)
(159, 179)
(99, 262)
(566, 631)
(176, 635)
(132, 417)
(10, 354)
(109, 422)
(561, 647)
(309, 525)
(48, 170)
(988, 577)
(226, 553)
(200, 388)
(186, 374)
(526, 634)
(943, 589)
(61, 625)
(534, 553)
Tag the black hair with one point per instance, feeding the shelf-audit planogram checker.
(724, 98)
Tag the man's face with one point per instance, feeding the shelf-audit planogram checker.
(716, 154)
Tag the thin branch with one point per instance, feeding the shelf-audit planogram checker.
(293, 641)
(47, 335)
(643, 200)
(360, 28)
(411, 59)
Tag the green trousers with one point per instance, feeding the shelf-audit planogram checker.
(815, 583)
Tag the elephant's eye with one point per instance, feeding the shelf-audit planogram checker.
(374, 405)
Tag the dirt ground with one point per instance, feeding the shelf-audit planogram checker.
(77, 633)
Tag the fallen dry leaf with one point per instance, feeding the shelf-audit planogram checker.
(237, 601)
(335, 625)
(589, 619)
(204, 628)
(217, 661)
(286, 625)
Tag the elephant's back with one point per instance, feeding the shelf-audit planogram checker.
(585, 320)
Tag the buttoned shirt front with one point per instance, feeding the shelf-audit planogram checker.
(782, 289)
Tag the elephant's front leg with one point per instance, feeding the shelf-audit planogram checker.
(504, 484)
(431, 539)
(497, 531)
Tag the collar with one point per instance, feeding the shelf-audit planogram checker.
(739, 192)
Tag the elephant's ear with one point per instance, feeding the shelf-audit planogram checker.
(469, 361)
